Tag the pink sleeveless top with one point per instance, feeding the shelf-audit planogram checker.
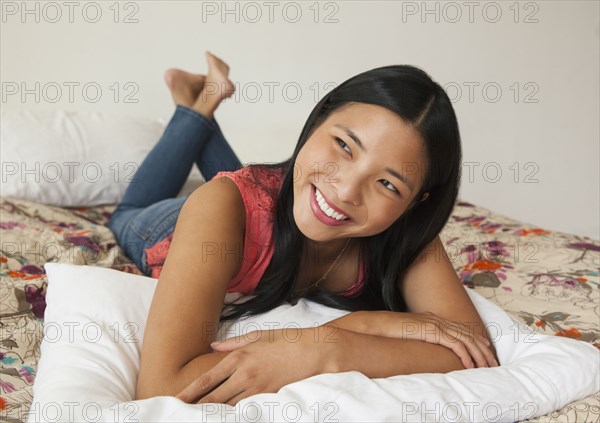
(258, 247)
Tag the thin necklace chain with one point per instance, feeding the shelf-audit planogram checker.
(328, 270)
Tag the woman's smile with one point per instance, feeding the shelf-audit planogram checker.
(325, 211)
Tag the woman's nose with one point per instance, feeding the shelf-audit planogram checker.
(348, 188)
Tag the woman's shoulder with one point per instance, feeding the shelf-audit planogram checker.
(257, 184)
(256, 174)
(221, 195)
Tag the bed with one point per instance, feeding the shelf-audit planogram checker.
(547, 280)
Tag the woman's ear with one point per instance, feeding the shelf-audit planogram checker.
(425, 197)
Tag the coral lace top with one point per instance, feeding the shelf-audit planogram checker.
(258, 248)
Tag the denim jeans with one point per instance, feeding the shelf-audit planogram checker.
(148, 211)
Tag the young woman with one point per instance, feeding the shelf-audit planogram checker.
(351, 220)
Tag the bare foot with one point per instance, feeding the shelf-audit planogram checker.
(217, 86)
(184, 86)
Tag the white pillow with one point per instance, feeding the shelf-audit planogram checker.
(89, 373)
(68, 158)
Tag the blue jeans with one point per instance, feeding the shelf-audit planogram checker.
(148, 211)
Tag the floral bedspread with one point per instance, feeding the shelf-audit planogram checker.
(548, 280)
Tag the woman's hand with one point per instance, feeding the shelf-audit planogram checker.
(468, 345)
(261, 361)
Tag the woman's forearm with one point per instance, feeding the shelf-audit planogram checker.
(180, 380)
(374, 356)
(380, 356)
(385, 323)
(354, 321)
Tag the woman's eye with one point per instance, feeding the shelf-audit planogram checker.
(344, 144)
(393, 187)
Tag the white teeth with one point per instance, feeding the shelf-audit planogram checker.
(326, 209)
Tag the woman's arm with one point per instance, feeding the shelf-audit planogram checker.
(189, 295)
(430, 285)
(380, 356)
(472, 348)
(270, 360)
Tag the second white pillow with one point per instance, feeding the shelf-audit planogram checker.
(70, 159)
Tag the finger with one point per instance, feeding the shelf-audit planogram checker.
(449, 340)
(236, 342)
(491, 359)
(486, 349)
(470, 347)
(227, 390)
(463, 353)
(460, 350)
(464, 350)
(207, 382)
(477, 352)
(466, 331)
(229, 344)
(476, 345)
(198, 387)
(479, 349)
(449, 336)
(489, 353)
(233, 401)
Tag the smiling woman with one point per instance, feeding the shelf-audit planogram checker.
(371, 183)
(382, 149)
(353, 180)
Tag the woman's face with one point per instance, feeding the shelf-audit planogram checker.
(355, 181)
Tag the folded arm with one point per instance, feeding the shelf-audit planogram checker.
(380, 356)
(430, 285)
(326, 349)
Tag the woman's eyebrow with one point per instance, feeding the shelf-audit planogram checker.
(358, 142)
(352, 135)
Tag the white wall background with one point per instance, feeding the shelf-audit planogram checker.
(541, 131)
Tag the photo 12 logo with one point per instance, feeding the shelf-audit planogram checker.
(492, 92)
(493, 172)
(52, 12)
(76, 411)
(470, 11)
(71, 91)
(272, 411)
(270, 12)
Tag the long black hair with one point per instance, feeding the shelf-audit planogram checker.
(421, 102)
